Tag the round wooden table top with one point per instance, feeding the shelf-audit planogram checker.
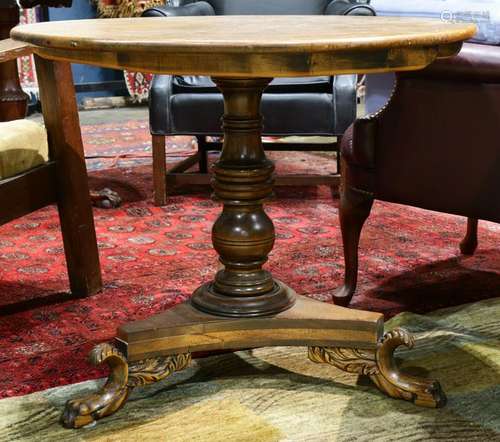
(243, 46)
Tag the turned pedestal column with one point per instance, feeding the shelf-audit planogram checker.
(243, 235)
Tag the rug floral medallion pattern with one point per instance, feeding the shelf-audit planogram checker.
(154, 257)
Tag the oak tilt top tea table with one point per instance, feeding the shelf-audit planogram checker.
(244, 306)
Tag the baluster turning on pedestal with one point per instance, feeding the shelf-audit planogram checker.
(243, 235)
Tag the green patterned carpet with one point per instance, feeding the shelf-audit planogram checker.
(276, 394)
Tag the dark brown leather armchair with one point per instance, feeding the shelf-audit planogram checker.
(434, 146)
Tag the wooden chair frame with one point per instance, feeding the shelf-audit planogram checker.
(177, 175)
(61, 180)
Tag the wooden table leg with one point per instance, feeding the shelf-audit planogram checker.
(75, 211)
(245, 306)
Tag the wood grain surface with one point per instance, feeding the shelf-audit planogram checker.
(249, 45)
(60, 115)
(309, 322)
(243, 33)
(11, 49)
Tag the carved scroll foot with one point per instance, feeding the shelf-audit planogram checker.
(108, 399)
(380, 366)
(122, 379)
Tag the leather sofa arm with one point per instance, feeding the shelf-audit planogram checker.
(349, 7)
(159, 98)
(475, 63)
(190, 9)
(344, 101)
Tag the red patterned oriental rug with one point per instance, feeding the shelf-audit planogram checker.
(153, 258)
(26, 65)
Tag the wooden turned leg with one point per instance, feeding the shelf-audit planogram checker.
(13, 101)
(243, 235)
(381, 367)
(122, 379)
(355, 206)
(469, 244)
(159, 171)
(73, 200)
(202, 155)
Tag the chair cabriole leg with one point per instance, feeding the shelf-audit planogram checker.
(355, 206)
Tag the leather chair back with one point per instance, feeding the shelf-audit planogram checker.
(269, 7)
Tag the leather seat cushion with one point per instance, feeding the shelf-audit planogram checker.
(284, 114)
(202, 84)
(23, 145)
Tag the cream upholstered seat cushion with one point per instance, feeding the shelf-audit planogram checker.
(23, 145)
